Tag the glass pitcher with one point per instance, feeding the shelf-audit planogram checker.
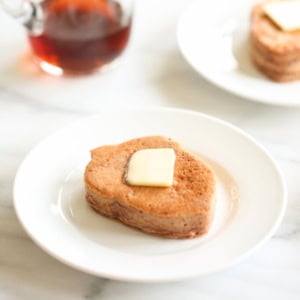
(74, 36)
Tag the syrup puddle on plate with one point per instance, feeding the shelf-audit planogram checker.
(109, 233)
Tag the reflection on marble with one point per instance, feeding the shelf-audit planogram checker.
(153, 72)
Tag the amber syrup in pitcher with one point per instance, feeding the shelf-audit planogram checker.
(81, 36)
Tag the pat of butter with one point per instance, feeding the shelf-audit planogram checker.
(151, 167)
(286, 14)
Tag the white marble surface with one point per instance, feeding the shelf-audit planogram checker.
(153, 72)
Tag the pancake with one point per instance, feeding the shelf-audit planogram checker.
(276, 53)
(183, 210)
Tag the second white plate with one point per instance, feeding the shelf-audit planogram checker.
(214, 38)
(50, 203)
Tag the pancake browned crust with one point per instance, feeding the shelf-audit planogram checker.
(275, 53)
(183, 210)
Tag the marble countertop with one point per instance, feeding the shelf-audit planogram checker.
(153, 73)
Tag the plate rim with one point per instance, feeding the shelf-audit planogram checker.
(217, 83)
(177, 277)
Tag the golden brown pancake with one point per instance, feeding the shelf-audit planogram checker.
(183, 210)
(275, 53)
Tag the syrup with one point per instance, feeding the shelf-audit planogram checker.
(81, 36)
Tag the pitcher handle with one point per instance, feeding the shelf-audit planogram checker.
(28, 13)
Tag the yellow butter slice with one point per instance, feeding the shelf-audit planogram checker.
(286, 14)
(151, 167)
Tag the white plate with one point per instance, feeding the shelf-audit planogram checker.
(213, 37)
(49, 198)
